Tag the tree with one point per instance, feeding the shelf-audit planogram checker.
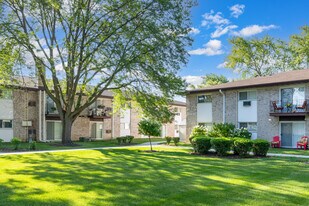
(149, 128)
(300, 46)
(210, 80)
(81, 48)
(253, 57)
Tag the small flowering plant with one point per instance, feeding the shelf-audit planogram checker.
(289, 105)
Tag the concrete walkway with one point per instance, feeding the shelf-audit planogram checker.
(154, 144)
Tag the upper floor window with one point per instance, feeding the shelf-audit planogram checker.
(204, 98)
(6, 123)
(6, 94)
(248, 95)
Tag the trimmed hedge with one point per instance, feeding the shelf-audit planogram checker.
(125, 139)
(198, 131)
(242, 146)
(201, 144)
(222, 145)
(168, 139)
(176, 140)
(260, 147)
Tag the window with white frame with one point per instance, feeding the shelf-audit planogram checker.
(6, 123)
(204, 98)
(251, 126)
(207, 125)
(248, 95)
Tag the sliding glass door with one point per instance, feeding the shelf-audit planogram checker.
(291, 132)
(54, 130)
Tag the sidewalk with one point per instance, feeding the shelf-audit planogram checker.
(154, 144)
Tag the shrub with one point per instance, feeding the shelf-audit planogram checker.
(222, 145)
(201, 144)
(32, 145)
(1, 140)
(168, 139)
(121, 139)
(176, 140)
(16, 142)
(84, 139)
(222, 130)
(150, 128)
(198, 131)
(242, 133)
(242, 146)
(130, 138)
(260, 147)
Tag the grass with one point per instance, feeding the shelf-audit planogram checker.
(93, 144)
(289, 151)
(131, 177)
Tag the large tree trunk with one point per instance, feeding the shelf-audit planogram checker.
(67, 123)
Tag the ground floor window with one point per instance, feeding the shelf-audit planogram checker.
(251, 126)
(54, 130)
(97, 130)
(6, 123)
(208, 125)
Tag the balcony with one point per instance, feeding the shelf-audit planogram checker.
(99, 112)
(298, 107)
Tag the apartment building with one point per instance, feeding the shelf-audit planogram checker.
(267, 106)
(27, 112)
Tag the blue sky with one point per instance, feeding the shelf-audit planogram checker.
(215, 21)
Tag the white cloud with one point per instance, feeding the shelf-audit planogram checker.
(222, 65)
(211, 48)
(237, 10)
(194, 80)
(214, 18)
(253, 30)
(194, 31)
(222, 30)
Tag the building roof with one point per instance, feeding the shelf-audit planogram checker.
(290, 77)
(179, 103)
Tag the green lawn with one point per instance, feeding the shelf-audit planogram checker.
(93, 144)
(131, 177)
(289, 151)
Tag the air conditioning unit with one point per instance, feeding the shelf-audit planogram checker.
(246, 103)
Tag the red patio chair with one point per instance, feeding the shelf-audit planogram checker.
(303, 142)
(276, 108)
(276, 142)
(304, 106)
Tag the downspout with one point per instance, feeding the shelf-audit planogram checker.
(223, 105)
(40, 116)
(44, 120)
(113, 121)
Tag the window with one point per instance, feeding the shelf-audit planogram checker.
(6, 123)
(6, 94)
(207, 125)
(251, 126)
(204, 98)
(251, 95)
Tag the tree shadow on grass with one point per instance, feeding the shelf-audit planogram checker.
(129, 177)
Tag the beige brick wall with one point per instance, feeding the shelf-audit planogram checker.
(134, 120)
(81, 128)
(23, 112)
(231, 102)
(191, 113)
(217, 103)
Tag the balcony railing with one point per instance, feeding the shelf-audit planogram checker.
(100, 112)
(295, 108)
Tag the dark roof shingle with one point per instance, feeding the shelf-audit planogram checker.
(296, 76)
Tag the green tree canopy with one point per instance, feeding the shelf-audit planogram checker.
(211, 80)
(299, 44)
(149, 128)
(252, 57)
(82, 48)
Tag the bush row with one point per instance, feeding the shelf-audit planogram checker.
(125, 139)
(16, 142)
(223, 145)
(175, 140)
(221, 130)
